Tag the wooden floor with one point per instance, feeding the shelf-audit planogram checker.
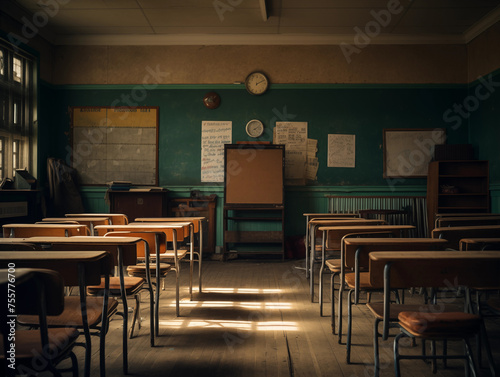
(255, 318)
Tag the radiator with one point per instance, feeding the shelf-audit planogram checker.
(414, 208)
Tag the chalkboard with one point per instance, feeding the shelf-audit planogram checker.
(253, 174)
(115, 144)
(408, 151)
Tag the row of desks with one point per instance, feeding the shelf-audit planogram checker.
(121, 251)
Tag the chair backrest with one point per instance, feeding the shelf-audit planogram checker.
(182, 233)
(342, 222)
(152, 240)
(364, 246)
(455, 234)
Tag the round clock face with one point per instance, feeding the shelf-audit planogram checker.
(256, 83)
(255, 128)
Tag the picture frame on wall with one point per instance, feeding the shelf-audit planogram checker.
(408, 151)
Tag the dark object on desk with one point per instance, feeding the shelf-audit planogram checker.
(24, 180)
(443, 152)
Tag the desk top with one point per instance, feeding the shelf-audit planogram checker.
(74, 240)
(346, 221)
(480, 240)
(330, 214)
(160, 227)
(387, 256)
(462, 228)
(390, 241)
(87, 218)
(360, 228)
(53, 226)
(465, 214)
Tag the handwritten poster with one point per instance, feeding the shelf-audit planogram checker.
(294, 136)
(214, 134)
(341, 151)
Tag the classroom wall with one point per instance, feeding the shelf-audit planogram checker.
(384, 64)
(481, 106)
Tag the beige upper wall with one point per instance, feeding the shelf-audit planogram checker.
(284, 64)
(484, 53)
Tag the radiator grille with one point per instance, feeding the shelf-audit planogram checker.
(13, 209)
(414, 208)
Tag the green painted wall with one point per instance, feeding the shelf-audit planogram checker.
(363, 110)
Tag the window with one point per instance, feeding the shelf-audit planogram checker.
(17, 115)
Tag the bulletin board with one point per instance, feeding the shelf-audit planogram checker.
(115, 144)
(253, 174)
(408, 151)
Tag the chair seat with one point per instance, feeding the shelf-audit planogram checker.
(132, 285)
(169, 255)
(29, 344)
(377, 309)
(364, 281)
(430, 324)
(333, 265)
(140, 269)
(72, 314)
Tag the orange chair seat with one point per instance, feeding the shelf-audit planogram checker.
(421, 323)
(131, 284)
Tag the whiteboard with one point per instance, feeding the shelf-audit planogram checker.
(408, 151)
(115, 144)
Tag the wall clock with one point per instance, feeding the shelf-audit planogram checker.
(254, 128)
(211, 100)
(256, 83)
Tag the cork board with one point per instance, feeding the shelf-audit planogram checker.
(115, 144)
(253, 174)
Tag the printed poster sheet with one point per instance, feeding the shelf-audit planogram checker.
(294, 136)
(214, 134)
(341, 151)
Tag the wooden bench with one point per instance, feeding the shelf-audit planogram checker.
(450, 270)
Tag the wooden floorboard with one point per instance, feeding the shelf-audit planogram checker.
(255, 318)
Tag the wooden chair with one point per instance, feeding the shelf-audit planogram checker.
(84, 313)
(53, 230)
(447, 270)
(148, 269)
(41, 293)
(455, 234)
(357, 276)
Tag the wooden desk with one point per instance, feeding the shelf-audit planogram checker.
(455, 234)
(461, 214)
(115, 218)
(314, 223)
(31, 230)
(337, 234)
(467, 221)
(90, 222)
(197, 225)
(82, 269)
(467, 244)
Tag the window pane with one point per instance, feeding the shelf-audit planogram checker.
(15, 114)
(15, 155)
(17, 69)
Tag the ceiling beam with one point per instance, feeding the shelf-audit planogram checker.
(263, 10)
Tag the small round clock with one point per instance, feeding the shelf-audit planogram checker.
(256, 83)
(255, 128)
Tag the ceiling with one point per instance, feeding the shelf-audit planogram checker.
(255, 21)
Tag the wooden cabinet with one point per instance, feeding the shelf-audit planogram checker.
(457, 186)
(136, 204)
(262, 229)
(194, 207)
